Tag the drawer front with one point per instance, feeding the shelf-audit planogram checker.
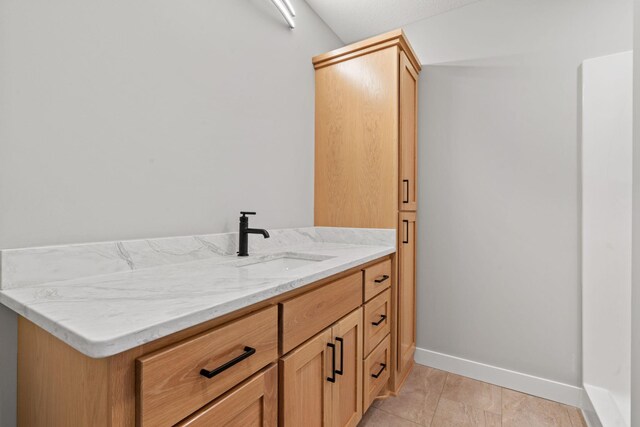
(304, 316)
(170, 383)
(376, 372)
(252, 403)
(377, 278)
(377, 320)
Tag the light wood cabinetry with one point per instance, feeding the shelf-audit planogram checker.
(304, 316)
(305, 392)
(322, 379)
(254, 403)
(377, 278)
(49, 393)
(356, 119)
(376, 371)
(408, 135)
(377, 320)
(347, 390)
(406, 320)
(227, 371)
(171, 381)
(366, 162)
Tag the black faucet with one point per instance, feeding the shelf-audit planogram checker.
(243, 244)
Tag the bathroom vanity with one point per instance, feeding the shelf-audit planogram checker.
(180, 331)
(308, 330)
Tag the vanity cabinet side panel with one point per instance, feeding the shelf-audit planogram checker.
(57, 385)
(356, 141)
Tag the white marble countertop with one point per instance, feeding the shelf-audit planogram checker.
(106, 298)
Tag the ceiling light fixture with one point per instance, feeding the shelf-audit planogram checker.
(285, 8)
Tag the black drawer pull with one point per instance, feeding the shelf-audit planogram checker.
(382, 317)
(382, 279)
(406, 230)
(383, 366)
(248, 351)
(332, 378)
(340, 371)
(406, 181)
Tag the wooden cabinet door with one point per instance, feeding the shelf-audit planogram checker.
(356, 136)
(406, 291)
(347, 390)
(253, 403)
(408, 191)
(305, 389)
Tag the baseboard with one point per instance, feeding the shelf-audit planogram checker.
(536, 386)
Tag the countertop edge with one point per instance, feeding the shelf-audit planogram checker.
(113, 346)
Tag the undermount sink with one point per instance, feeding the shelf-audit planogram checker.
(281, 264)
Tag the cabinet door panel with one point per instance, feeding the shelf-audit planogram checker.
(254, 403)
(408, 191)
(406, 291)
(305, 393)
(356, 150)
(347, 390)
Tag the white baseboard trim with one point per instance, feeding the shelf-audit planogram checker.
(525, 383)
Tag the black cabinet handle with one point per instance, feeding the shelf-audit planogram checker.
(382, 279)
(332, 378)
(382, 317)
(406, 186)
(383, 366)
(340, 371)
(406, 230)
(248, 351)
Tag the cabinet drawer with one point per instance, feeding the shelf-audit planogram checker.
(170, 385)
(377, 278)
(252, 403)
(376, 372)
(304, 316)
(377, 320)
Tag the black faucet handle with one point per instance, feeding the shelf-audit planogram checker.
(247, 213)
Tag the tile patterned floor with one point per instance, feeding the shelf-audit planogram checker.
(433, 398)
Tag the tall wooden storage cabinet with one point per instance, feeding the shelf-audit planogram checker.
(365, 160)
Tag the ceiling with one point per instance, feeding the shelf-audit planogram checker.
(354, 20)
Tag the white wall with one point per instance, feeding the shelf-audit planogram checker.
(607, 86)
(128, 119)
(635, 298)
(499, 216)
